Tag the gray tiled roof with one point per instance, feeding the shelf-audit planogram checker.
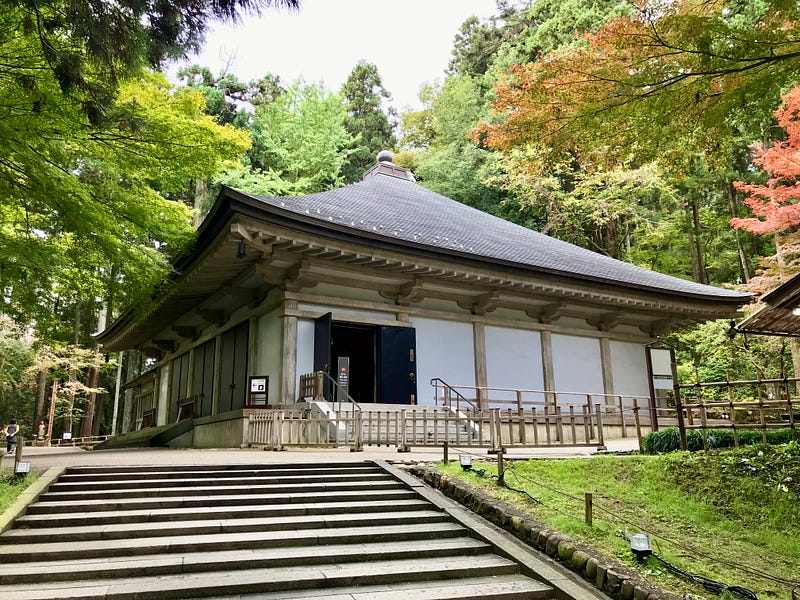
(404, 211)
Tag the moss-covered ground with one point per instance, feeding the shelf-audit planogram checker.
(731, 516)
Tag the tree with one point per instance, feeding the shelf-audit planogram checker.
(776, 203)
(90, 47)
(81, 204)
(299, 145)
(363, 95)
(452, 164)
(230, 100)
(16, 357)
(673, 76)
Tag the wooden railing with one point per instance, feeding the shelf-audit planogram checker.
(756, 404)
(620, 410)
(494, 429)
(760, 416)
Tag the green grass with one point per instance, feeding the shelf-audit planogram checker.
(740, 507)
(12, 486)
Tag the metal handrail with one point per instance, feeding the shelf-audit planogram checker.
(435, 383)
(339, 392)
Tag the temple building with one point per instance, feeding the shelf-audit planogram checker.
(409, 286)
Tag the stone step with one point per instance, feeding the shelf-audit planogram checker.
(146, 473)
(218, 526)
(254, 581)
(61, 550)
(198, 562)
(507, 587)
(154, 492)
(231, 500)
(204, 468)
(244, 479)
(84, 519)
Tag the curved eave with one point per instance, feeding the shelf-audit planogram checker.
(252, 207)
(232, 203)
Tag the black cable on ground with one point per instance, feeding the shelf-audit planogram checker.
(715, 587)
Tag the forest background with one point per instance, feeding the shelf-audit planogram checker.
(662, 133)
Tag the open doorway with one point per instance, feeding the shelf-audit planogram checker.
(358, 343)
(382, 359)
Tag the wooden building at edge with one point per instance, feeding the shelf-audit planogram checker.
(406, 283)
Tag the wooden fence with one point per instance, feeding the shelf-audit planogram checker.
(760, 416)
(493, 429)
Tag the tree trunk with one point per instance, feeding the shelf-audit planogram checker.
(200, 201)
(40, 410)
(745, 271)
(612, 240)
(87, 424)
(695, 245)
(701, 259)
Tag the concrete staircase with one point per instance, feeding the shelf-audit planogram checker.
(339, 531)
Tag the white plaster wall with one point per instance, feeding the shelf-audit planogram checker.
(576, 367)
(445, 349)
(270, 351)
(163, 396)
(629, 366)
(305, 350)
(514, 360)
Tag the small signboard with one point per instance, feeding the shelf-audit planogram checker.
(343, 372)
(661, 360)
(258, 385)
(258, 391)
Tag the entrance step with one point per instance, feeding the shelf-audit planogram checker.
(354, 531)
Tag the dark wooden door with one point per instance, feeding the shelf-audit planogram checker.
(397, 369)
(323, 331)
(203, 377)
(233, 368)
(323, 327)
(179, 384)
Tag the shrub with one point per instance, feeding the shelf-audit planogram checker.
(669, 439)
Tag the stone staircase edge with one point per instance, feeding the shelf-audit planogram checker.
(29, 496)
(566, 584)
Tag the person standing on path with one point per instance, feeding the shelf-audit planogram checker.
(11, 431)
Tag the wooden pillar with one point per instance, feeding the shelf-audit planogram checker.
(479, 344)
(608, 371)
(548, 373)
(289, 361)
(190, 373)
(252, 350)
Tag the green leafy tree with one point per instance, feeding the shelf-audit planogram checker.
(80, 203)
(90, 47)
(230, 100)
(363, 95)
(299, 144)
(452, 164)
(16, 358)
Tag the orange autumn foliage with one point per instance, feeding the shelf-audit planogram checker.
(775, 205)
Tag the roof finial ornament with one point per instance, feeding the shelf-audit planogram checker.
(385, 156)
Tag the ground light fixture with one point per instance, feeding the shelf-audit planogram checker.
(640, 545)
(466, 461)
(21, 469)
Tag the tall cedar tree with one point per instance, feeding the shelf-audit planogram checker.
(363, 94)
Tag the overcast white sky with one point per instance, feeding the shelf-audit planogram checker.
(409, 41)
